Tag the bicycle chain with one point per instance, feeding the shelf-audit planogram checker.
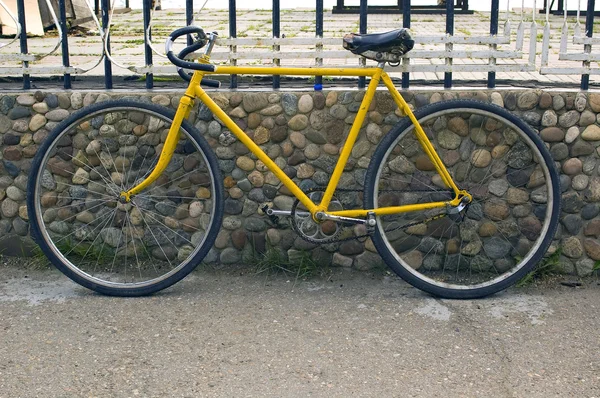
(358, 237)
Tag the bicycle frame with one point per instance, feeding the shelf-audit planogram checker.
(377, 74)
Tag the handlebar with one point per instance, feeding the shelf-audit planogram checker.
(178, 60)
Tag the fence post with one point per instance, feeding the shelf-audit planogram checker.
(405, 24)
(276, 33)
(147, 4)
(23, 41)
(362, 30)
(319, 35)
(189, 17)
(589, 31)
(108, 83)
(64, 42)
(449, 46)
(494, 32)
(232, 35)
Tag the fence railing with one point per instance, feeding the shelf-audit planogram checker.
(502, 48)
(580, 37)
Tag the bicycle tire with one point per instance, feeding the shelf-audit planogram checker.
(505, 232)
(131, 249)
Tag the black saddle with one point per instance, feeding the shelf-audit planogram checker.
(383, 47)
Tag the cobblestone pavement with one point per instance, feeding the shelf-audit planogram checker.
(128, 49)
(352, 334)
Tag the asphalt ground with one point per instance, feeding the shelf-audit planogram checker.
(233, 333)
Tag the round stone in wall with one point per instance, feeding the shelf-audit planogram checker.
(572, 166)
(528, 100)
(289, 102)
(552, 134)
(549, 118)
(496, 248)
(254, 101)
(481, 158)
(580, 182)
(572, 134)
(9, 208)
(305, 104)
(448, 140)
(569, 119)
(591, 133)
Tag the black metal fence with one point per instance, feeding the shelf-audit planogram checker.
(404, 6)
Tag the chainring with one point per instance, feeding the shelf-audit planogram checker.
(310, 230)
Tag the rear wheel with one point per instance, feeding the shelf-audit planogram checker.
(120, 249)
(500, 236)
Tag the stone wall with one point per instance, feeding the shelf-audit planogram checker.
(303, 132)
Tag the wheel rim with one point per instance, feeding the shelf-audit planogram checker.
(446, 253)
(104, 242)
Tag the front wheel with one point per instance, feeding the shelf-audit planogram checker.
(124, 249)
(502, 234)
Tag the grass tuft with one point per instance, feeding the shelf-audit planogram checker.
(546, 267)
(275, 261)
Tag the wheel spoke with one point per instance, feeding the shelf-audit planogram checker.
(123, 248)
(490, 244)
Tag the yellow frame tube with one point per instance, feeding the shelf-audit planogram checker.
(382, 211)
(420, 135)
(183, 110)
(261, 70)
(255, 149)
(195, 91)
(350, 140)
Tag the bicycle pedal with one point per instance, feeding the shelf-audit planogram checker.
(274, 219)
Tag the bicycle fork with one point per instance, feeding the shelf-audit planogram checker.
(185, 106)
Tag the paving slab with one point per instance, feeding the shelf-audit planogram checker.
(233, 333)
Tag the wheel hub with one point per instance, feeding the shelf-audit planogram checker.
(124, 198)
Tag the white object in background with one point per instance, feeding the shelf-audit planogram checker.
(33, 18)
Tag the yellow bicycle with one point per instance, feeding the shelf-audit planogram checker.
(460, 198)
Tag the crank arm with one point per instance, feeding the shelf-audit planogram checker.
(320, 216)
(369, 221)
(285, 213)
